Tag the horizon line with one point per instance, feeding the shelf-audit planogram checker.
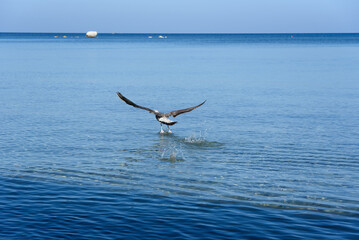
(195, 32)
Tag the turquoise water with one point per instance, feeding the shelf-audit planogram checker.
(272, 154)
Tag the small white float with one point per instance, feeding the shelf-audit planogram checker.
(91, 34)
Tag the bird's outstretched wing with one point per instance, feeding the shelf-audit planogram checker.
(129, 102)
(178, 112)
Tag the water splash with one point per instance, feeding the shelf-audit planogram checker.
(169, 148)
(200, 140)
(172, 152)
(196, 139)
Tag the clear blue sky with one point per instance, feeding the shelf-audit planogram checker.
(180, 16)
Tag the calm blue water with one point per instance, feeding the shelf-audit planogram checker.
(273, 154)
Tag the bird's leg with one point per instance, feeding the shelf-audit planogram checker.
(169, 130)
(162, 129)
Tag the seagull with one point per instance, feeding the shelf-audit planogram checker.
(163, 118)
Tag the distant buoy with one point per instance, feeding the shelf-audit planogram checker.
(160, 36)
(56, 36)
(149, 36)
(91, 34)
(65, 36)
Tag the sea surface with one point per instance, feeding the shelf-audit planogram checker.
(272, 154)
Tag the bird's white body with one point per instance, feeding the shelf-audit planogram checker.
(165, 120)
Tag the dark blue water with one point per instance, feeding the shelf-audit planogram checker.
(272, 154)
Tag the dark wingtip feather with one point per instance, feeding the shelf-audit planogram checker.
(119, 94)
(122, 97)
